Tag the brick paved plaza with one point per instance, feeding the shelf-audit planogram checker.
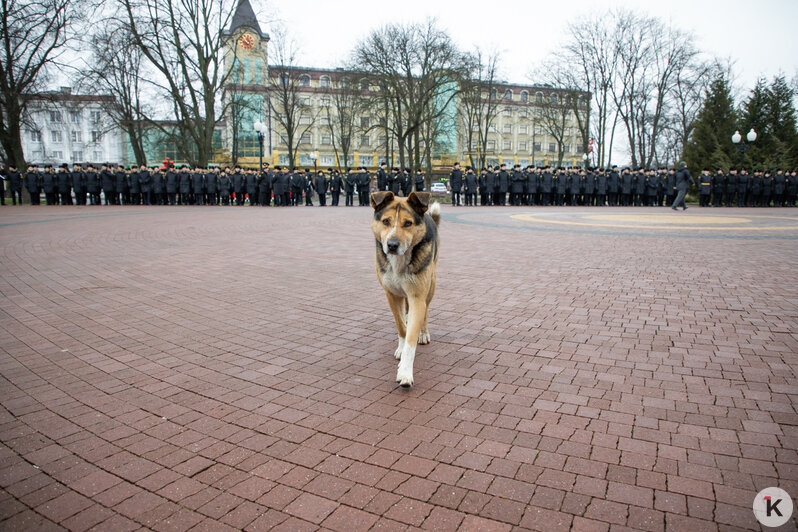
(213, 368)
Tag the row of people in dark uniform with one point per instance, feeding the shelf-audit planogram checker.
(599, 187)
(116, 185)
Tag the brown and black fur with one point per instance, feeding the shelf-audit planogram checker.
(406, 233)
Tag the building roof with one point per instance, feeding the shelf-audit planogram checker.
(244, 17)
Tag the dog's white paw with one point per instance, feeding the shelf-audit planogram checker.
(404, 377)
(423, 338)
(398, 353)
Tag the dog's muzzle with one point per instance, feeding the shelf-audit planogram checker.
(393, 246)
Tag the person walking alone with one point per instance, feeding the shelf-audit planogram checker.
(683, 183)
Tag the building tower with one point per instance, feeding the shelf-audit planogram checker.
(244, 97)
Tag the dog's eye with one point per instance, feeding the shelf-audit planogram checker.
(386, 222)
(407, 224)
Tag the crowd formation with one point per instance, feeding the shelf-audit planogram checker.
(115, 185)
(599, 187)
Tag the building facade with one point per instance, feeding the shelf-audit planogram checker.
(61, 127)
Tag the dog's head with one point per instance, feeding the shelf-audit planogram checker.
(398, 223)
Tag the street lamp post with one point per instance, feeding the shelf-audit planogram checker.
(260, 129)
(585, 158)
(313, 157)
(741, 145)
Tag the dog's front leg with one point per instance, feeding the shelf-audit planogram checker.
(415, 319)
(397, 304)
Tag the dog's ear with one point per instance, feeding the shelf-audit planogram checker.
(381, 199)
(419, 201)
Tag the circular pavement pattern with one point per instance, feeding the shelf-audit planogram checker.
(231, 368)
(654, 222)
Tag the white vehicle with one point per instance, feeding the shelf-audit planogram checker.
(438, 187)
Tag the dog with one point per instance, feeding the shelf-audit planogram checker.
(406, 231)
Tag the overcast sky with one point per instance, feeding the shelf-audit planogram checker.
(760, 37)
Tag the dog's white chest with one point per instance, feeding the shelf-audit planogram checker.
(393, 279)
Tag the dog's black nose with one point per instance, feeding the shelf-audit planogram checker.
(393, 246)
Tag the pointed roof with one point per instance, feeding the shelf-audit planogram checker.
(245, 17)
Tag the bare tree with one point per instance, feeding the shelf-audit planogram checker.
(115, 68)
(290, 107)
(183, 42)
(33, 34)
(651, 57)
(412, 65)
(554, 118)
(342, 103)
(479, 105)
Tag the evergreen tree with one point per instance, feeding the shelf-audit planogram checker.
(781, 115)
(710, 144)
(755, 115)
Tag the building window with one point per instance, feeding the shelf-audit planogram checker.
(305, 120)
(553, 98)
(491, 145)
(508, 128)
(382, 141)
(56, 136)
(567, 148)
(74, 117)
(57, 155)
(324, 82)
(524, 96)
(366, 160)
(35, 136)
(538, 130)
(523, 115)
(508, 94)
(305, 101)
(285, 79)
(304, 80)
(538, 97)
(365, 140)
(283, 159)
(524, 130)
(508, 112)
(98, 155)
(327, 160)
(95, 117)
(538, 113)
(493, 94)
(507, 145)
(306, 138)
(364, 85)
(55, 116)
(325, 101)
(96, 136)
(326, 140)
(522, 146)
(536, 146)
(284, 141)
(77, 136)
(552, 147)
(77, 156)
(364, 122)
(474, 145)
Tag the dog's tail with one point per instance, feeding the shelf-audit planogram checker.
(435, 212)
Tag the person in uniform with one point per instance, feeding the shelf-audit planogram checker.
(626, 187)
(456, 183)
(503, 180)
(574, 187)
(277, 186)
(652, 184)
(307, 187)
(731, 187)
(14, 184)
(211, 186)
(363, 185)
(471, 185)
(33, 182)
(157, 178)
(64, 183)
(704, 188)
(336, 185)
(392, 181)
(779, 187)
(224, 186)
(321, 185)
(93, 185)
(767, 189)
(382, 177)
(264, 183)
(601, 188)
(742, 187)
(407, 182)
(145, 185)
(491, 185)
(531, 185)
(419, 181)
(792, 188)
(614, 186)
(350, 181)
(49, 185)
(683, 183)
(547, 185)
(516, 185)
(718, 183)
(589, 187)
(108, 184)
(172, 186)
(483, 186)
